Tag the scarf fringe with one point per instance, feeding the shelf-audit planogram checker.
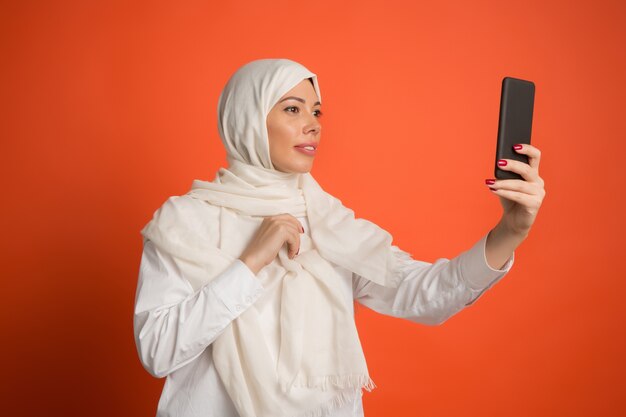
(336, 381)
(337, 402)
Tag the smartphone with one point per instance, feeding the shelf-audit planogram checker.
(515, 122)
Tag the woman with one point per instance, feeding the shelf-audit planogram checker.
(246, 286)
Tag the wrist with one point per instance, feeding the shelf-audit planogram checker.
(500, 245)
(506, 230)
(251, 264)
(507, 236)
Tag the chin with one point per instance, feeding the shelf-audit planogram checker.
(301, 170)
(297, 168)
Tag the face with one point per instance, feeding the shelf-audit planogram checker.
(293, 127)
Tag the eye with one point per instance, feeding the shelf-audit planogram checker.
(296, 109)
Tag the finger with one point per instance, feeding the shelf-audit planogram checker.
(298, 225)
(525, 187)
(288, 224)
(291, 220)
(526, 171)
(287, 216)
(526, 200)
(293, 243)
(533, 153)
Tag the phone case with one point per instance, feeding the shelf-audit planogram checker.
(515, 122)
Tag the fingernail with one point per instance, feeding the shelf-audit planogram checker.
(501, 162)
(517, 147)
(490, 182)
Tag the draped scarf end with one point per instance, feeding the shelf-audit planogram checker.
(333, 381)
(337, 402)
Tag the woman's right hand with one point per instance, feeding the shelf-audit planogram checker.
(269, 238)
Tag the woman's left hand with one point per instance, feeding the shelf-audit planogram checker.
(520, 199)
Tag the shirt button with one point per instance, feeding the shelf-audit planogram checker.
(238, 307)
(248, 299)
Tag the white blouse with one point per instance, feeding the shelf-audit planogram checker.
(175, 326)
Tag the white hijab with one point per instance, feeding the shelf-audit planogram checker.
(320, 354)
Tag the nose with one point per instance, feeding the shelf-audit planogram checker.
(313, 125)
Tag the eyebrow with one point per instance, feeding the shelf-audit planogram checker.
(301, 100)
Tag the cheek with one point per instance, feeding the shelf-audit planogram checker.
(281, 135)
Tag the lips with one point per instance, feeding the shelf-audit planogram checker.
(305, 148)
(311, 144)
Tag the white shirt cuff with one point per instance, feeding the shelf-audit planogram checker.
(476, 271)
(237, 287)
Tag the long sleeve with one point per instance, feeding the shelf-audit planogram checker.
(430, 293)
(173, 324)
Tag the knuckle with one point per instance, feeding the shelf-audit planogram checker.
(524, 187)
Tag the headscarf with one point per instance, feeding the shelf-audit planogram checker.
(319, 363)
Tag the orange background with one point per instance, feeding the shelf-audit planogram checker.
(109, 107)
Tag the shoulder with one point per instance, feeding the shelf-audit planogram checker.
(186, 208)
(184, 214)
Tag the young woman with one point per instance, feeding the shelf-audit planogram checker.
(246, 285)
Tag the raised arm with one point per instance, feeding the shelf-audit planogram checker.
(430, 293)
(173, 324)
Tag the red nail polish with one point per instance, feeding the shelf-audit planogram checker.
(490, 182)
(501, 162)
(517, 147)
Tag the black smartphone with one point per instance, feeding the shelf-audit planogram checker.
(515, 122)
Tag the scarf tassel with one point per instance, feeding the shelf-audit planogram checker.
(337, 402)
(336, 381)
